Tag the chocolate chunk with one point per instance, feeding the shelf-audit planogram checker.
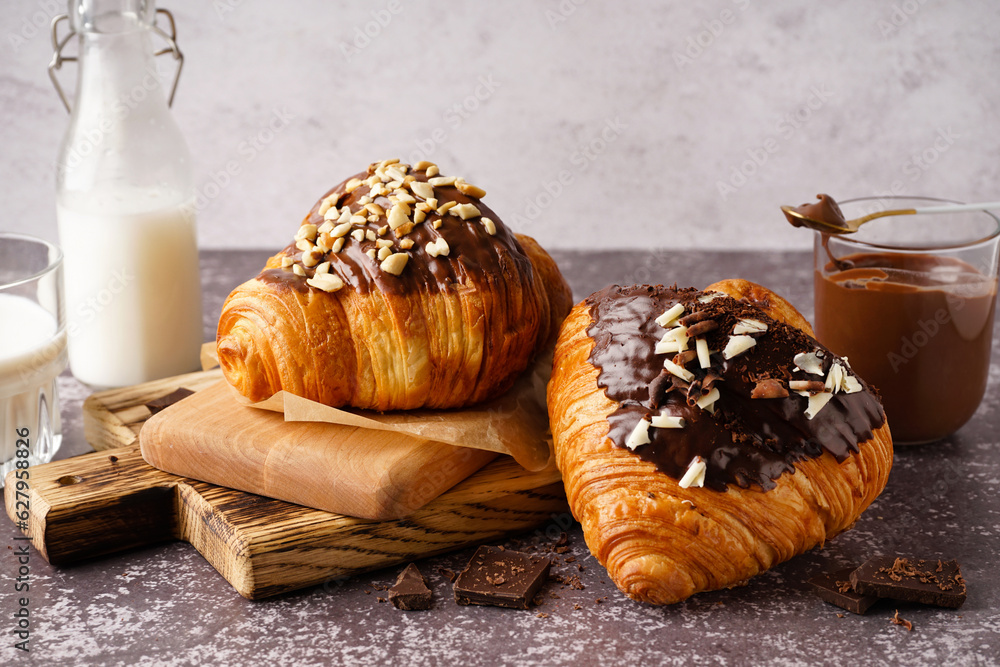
(164, 402)
(835, 588)
(933, 582)
(410, 592)
(501, 578)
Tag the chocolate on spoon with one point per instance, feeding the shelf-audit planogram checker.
(824, 215)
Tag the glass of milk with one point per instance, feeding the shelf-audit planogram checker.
(32, 350)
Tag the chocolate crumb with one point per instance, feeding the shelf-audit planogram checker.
(577, 606)
(896, 620)
(841, 615)
(114, 459)
(381, 599)
(447, 574)
(542, 614)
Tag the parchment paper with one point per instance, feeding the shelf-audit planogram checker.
(516, 423)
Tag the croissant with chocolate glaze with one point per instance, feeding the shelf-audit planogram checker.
(402, 290)
(704, 437)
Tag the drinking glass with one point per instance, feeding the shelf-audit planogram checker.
(910, 301)
(32, 351)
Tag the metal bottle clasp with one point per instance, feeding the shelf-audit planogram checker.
(59, 44)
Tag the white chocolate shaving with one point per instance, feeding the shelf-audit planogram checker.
(679, 371)
(709, 296)
(808, 362)
(749, 327)
(704, 354)
(639, 435)
(737, 345)
(668, 318)
(695, 475)
(663, 420)
(816, 403)
(707, 402)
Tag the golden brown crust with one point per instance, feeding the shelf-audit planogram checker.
(661, 543)
(387, 351)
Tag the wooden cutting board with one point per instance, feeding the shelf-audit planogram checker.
(112, 500)
(344, 469)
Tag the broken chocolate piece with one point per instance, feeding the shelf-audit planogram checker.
(410, 592)
(933, 582)
(835, 588)
(501, 578)
(164, 402)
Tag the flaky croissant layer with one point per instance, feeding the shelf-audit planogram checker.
(390, 351)
(662, 543)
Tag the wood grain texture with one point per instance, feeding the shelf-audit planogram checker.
(344, 469)
(113, 418)
(110, 501)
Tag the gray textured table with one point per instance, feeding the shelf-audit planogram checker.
(166, 605)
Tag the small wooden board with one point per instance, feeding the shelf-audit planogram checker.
(101, 503)
(359, 472)
(91, 505)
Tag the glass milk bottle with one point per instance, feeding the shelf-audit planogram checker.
(125, 203)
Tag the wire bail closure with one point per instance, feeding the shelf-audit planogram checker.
(59, 44)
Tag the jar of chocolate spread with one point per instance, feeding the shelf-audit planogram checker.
(910, 301)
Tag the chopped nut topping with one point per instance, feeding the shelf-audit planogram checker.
(326, 227)
(358, 235)
(441, 181)
(470, 190)
(312, 257)
(439, 247)
(419, 216)
(668, 318)
(424, 206)
(352, 185)
(328, 282)
(383, 243)
(491, 227)
(306, 231)
(422, 190)
(737, 345)
(445, 207)
(466, 211)
(406, 244)
(341, 230)
(383, 230)
(298, 270)
(384, 252)
(404, 229)
(325, 205)
(304, 245)
(386, 163)
(397, 216)
(437, 223)
(395, 175)
(433, 170)
(695, 475)
(704, 354)
(338, 245)
(664, 420)
(345, 215)
(371, 252)
(370, 234)
(769, 388)
(749, 327)
(324, 242)
(403, 198)
(394, 263)
(423, 165)
(375, 209)
(639, 435)
(808, 362)
(286, 262)
(323, 267)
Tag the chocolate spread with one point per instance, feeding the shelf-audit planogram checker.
(918, 327)
(826, 210)
(474, 254)
(747, 440)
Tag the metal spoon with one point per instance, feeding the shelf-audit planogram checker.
(836, 224)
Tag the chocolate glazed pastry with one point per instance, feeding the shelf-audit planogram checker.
(401, 290)
(704, 437)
